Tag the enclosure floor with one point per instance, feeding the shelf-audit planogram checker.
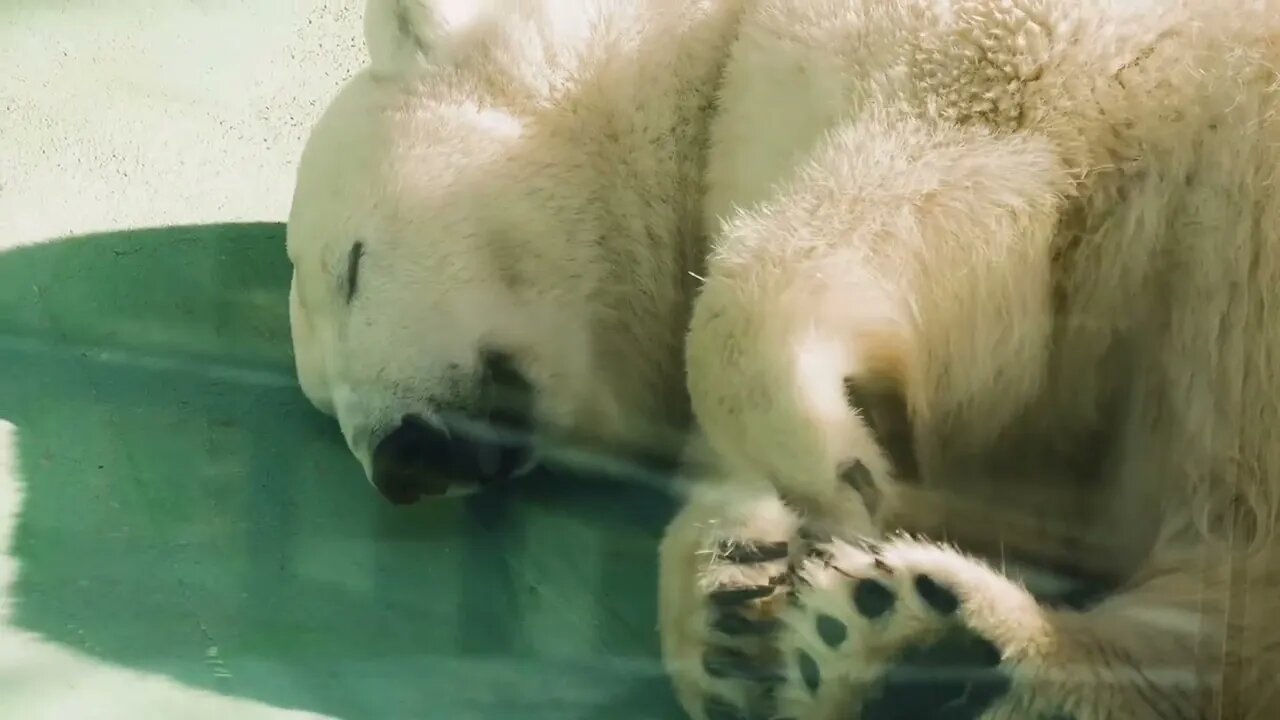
(181, 535)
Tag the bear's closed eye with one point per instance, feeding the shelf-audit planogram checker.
(353, 270)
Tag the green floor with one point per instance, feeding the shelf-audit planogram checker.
(181, 535)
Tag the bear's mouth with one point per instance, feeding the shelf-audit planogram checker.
(441, 455)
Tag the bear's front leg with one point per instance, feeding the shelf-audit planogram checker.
(906, 260)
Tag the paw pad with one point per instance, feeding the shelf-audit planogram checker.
(809, 671)
(941, 599)
(872, 599)
(831, 630)
(956, 676)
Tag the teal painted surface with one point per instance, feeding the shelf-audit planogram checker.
(181, 535)
(184, 513)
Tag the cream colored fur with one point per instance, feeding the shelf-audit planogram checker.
(1054, 226)
(525, 177)
(1051, 225)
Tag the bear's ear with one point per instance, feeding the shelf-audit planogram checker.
(402, 34)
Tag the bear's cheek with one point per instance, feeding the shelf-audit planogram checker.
(308, 356)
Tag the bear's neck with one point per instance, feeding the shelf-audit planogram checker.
(641, 131)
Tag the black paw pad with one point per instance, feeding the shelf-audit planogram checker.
(809, 671)
(746, 553)
(831, 630)
(941, 599)
(872, 599)
(956, 677)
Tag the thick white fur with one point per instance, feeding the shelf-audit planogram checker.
(1054, 226)
(525, 177)
(1051, 224)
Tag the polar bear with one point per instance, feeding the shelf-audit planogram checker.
(1000, 275)
(997, 273)
(496, 235)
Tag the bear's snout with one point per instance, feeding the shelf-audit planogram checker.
(445, 456)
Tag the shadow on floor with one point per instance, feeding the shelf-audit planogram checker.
(187, 513)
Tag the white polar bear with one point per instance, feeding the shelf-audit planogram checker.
(497, 227)
(1020, 252)
(1025, 253)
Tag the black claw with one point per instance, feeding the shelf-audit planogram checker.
(857, 475)
(723, 662)
(809, 671)
(831, 630)
(955, 678)
(872, 599)
(941, 599)
(732, 597)
(733, 663)
(734, 624)
(815, 545)
(819, 552)
(718, 709)
(876, 551)
(750, 553)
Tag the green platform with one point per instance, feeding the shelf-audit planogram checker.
(181, 535)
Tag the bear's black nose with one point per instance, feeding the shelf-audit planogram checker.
(406, 461)
(421, 457)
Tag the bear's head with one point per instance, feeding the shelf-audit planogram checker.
(450, 301)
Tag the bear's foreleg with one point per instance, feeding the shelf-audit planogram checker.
(901, 277)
